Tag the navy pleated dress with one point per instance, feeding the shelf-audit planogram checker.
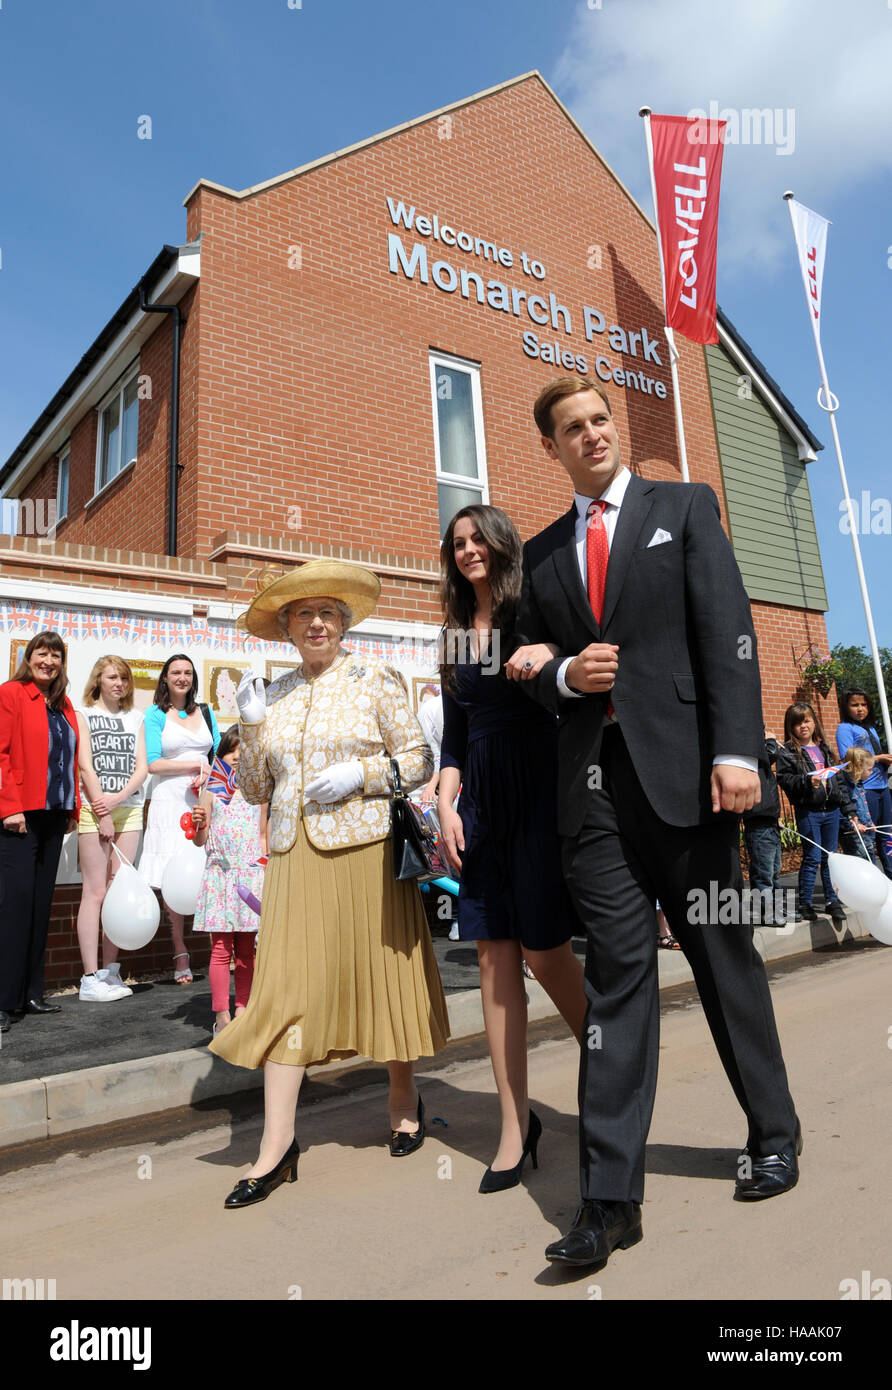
(505, 747)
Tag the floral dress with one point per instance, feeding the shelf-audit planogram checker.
(233, 846)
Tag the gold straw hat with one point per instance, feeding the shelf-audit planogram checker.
(352, 584)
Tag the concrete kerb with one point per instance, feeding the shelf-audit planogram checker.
(68, 1101)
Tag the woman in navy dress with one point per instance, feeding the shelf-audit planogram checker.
(502, 841)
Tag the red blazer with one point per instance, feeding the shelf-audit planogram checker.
(25, 748)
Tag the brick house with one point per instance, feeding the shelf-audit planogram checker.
(348, 354)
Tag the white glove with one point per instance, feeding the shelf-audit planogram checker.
(251, 699)
(335, 782)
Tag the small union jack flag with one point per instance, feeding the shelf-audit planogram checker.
(90, 626)
(70, 626)
(138, 629)
(222, 781)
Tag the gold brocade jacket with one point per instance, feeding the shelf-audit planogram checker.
(357, 709)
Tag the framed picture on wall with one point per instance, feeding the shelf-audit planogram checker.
(423, 688)
(145, 679)
(275, 669)
(218, 688)
(17, 646)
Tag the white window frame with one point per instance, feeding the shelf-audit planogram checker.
(472, 369)
(117, 391)
(63, 470)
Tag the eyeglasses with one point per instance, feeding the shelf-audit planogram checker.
(330, 616)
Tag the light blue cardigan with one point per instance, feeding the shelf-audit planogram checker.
(153, 723)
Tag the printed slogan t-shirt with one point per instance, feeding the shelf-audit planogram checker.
(113, 743)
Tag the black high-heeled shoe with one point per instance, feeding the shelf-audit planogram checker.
(250, 1190)
(504, 1178)
(402, 1143)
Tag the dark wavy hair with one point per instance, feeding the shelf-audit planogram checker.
(162, 692)
(457, 596)
(55, 695)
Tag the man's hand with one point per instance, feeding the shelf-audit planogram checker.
(528, 661)
(16, 823)
(594, 669)
(734, 788)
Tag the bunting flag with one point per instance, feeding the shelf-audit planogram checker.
(687, 169)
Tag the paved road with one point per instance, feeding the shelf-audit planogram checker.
(143, 1218)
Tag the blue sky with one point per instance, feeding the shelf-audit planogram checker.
(238, 92)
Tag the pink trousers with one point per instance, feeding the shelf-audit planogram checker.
(225, 944)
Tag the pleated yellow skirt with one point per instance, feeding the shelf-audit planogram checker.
(345, 964)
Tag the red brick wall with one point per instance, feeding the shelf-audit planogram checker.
(63, 959)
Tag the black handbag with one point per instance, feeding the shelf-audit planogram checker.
(416, 847)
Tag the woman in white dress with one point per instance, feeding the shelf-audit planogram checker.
(181, 736)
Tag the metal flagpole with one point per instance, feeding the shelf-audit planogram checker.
(670, 335)
(830, 408)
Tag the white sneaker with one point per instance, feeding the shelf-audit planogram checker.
(453, 932)
(100, 991)
(112, 976)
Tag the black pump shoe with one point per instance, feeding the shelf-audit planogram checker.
(250, 1190)
(503, 1178)
(402, 1143)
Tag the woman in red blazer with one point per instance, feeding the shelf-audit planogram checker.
(39, 803)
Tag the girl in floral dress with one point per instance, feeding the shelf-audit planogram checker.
(234, 833)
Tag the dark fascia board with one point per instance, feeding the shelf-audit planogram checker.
(165, 258)
(766, 376)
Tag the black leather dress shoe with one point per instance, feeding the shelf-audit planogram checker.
(247, 1191)
(40, 1006)
(597, 1231)
(771, 1174)
(402, 1143)
(4, 1021)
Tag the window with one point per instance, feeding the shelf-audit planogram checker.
(118, 424)
(459, 446)
(62, 485)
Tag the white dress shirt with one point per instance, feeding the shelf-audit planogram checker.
(613, 495)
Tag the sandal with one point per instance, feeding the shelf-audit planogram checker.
(182, 977)
(668, 943)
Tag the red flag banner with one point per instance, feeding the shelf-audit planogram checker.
(687, 174)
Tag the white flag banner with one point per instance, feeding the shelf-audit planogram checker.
(810, 230)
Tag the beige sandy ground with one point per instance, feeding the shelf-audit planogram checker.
(360, 1225)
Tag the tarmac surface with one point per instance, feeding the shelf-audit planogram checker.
(135, 1211)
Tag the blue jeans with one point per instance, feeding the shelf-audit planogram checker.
(763, 845)
(822, 826)
(879, 802)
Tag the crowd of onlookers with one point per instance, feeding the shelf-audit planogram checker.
(86, 768)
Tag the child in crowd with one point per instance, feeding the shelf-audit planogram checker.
(761, 835)
(817, 799)
(235, 833)
(857, 729)
(858, 767)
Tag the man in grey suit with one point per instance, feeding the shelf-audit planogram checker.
(657, 689)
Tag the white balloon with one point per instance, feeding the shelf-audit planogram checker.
(879, 920)
(860, 884)
(130, 911)
(181, 879)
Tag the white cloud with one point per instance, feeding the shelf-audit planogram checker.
(828, 64)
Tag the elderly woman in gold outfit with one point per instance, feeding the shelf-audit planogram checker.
(345, 963)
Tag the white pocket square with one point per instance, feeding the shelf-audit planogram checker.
(659, 538)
